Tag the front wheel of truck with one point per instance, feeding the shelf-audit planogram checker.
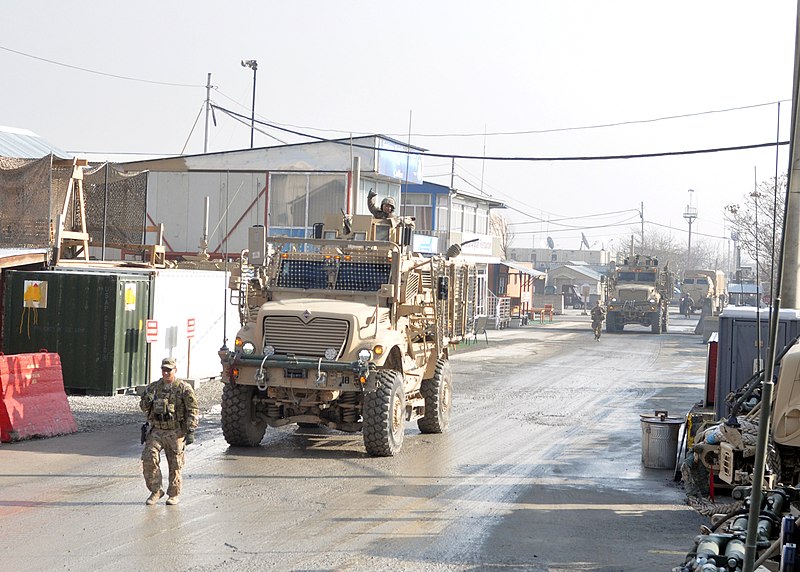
(240, 426)
(438, 393)
(384, 415)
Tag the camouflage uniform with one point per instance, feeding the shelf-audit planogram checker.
(172, 412)
(598, 315)
(377, 211)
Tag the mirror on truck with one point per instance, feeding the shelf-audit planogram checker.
(318, 229)
(408, 235)
(442, 288)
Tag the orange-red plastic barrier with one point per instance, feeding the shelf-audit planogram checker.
(32, 398)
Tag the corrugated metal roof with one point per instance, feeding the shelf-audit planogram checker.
(24, 144)
(10, 257)
(524, 269)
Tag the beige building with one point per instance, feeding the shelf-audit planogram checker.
(546, 258)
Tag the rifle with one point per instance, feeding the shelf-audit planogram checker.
(145, 431)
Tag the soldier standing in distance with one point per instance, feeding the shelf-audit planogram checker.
(598, 315)
(172, 412)
(386, 209)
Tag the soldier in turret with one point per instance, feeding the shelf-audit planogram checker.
(387, 208)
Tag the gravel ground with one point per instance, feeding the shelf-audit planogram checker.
(93, 413)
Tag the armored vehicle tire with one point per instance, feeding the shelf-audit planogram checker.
(438, 394)
(239, 424)
(611, 322)
(655, 323)
(384, 415)
(665, 321)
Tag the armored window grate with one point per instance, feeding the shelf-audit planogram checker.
(333, 274)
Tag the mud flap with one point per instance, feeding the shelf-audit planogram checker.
(371, 384)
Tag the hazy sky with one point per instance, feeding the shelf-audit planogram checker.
(495, 79)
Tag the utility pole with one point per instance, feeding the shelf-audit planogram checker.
(253, 65)
(689, 214)
(787, 291)
(208, 110)
(641, 215)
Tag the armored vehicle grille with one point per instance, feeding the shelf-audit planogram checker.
(635, 295)
(290, 335)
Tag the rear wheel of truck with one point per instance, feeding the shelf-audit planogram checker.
(240, 427)
(384, 415)
(655, 323)
(665, 321)
(611, 322)
(438, 394)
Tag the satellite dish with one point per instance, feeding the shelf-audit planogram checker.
(550, 244)
(584, 242)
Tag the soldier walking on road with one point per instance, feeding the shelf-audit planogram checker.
(598, 315)
(172, 414)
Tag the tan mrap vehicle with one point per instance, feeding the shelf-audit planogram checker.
(349, 331)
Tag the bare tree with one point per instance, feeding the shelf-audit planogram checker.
(498, 226)
(757, 221)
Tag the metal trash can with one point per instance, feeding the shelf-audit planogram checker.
(660, 440)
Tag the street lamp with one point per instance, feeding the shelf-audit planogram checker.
(690, 214)
(253, 65)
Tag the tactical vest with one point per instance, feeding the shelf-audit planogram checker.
(168, 410)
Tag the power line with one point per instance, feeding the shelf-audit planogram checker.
(574, 217)
(522, 159)
(602, 125)
(87, 70)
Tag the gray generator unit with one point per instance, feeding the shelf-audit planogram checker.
(738, 357)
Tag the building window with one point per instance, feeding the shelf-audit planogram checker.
(469, 218)
(419, 206)
(383, 188)
(298, 200)
(457, 216)
(442, 212)
(482, 220)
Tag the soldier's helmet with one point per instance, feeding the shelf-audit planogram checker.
(388, 201)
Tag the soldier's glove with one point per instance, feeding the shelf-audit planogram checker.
(371, 194)
(189, 439)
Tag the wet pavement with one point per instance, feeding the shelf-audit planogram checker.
(541, 470)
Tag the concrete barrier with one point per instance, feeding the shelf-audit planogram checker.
(32, 398)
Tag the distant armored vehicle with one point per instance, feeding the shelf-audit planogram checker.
(639, 292)
(707, 289)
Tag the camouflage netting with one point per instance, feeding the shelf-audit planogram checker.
(26, 202)
(119, 199)
(33, 193)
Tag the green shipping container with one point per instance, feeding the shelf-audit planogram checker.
(95, 321)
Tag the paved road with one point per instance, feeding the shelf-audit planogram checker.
(540, 471)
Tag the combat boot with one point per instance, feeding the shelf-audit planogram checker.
(173, 500)
(153, 498)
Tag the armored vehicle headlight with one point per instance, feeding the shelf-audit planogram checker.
(613, 299)
(248, 348)
(364, 355)
(652, 300)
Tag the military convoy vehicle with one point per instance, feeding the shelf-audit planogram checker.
(348, 330)
(706, 289)
(639, 292)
